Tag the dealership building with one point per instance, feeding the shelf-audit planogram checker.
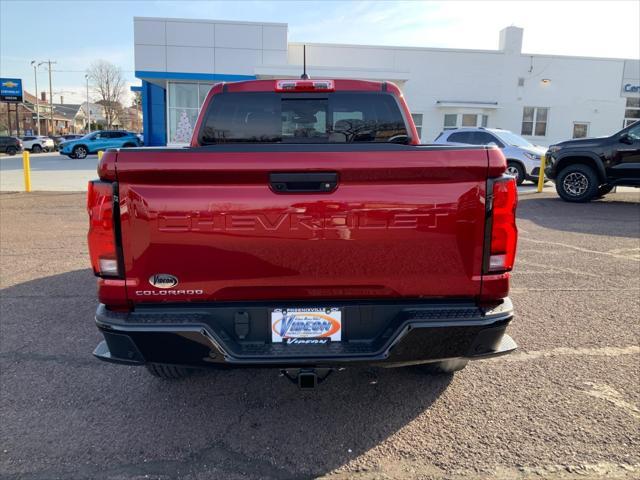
(545, 98)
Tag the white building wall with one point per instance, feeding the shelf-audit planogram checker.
(202, 46)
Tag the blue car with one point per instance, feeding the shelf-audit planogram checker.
(100, 140)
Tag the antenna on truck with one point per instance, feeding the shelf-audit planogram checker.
(304, 75)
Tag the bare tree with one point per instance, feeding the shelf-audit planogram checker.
(108, 84)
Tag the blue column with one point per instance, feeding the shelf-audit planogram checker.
(154, 114)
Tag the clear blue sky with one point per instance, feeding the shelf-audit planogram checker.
(75, 33)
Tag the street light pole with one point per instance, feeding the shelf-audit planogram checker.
(88, 108)
(35, 76)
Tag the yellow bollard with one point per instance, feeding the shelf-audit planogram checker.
(543, 162)
(26, 168)
(100, 153)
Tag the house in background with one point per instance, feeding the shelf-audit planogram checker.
(62, 121)
(71, 113)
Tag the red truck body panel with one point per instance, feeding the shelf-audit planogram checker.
(403, 222)
(400, 224)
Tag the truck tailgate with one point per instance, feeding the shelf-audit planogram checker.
(403, 221)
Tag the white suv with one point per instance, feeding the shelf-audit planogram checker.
(523, 158)
(38, 144)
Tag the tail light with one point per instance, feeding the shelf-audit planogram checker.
(305, 86)
(504, 233)
(102, 235)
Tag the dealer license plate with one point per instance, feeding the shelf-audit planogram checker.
(306, 325)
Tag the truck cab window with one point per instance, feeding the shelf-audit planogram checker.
(265, 117)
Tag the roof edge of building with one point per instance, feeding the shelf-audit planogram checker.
(204, 20)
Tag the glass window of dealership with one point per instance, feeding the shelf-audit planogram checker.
(184, 103)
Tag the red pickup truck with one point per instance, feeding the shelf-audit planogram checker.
(304, 229)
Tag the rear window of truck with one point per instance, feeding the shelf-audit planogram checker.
(266, 117)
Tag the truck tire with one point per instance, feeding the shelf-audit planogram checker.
(168, 372)
(517, 170)
(577, 183)
(36, 148)
(443, 367)
(12, 151)
(80, 152)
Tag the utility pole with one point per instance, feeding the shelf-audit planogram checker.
(86, 76)
(49, 63)
(35, 76)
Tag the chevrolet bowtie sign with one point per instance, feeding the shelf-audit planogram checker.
(10, 90)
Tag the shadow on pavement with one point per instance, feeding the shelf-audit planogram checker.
(119, 421)
(617, 215)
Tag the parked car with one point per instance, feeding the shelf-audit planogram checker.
(304, 229)
(100, 140)
(588, 168)
(37, 144)
(10, 145)
(523, 158)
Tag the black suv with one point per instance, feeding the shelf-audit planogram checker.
(10, 145)
(589, 168)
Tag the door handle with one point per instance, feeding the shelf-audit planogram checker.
(309, 182)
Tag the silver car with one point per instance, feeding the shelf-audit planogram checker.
(523, 158)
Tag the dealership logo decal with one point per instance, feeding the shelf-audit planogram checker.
(163, 280)
(306, 325)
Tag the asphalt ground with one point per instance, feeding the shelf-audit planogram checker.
(565, 405)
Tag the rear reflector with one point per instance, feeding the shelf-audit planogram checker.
(305, 86)
(504, 233)
(101, 237)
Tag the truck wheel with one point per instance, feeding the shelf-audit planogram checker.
(517, 170)
(36, 149)
(80, 152)
(577, 183)
(604, 189)
(446, 366)
(12, 151)
(168, 372)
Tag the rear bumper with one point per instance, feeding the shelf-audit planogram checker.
(388, 334)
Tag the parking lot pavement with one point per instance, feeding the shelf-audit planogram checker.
(565, 405)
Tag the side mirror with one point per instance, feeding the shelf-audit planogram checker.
(492, 144)
(625, 138)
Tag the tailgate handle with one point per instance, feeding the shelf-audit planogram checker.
(303, 182)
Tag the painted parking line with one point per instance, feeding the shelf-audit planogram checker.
(632, 254)
(570, 351)
(611, 395)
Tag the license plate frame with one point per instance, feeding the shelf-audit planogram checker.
(306, 325)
